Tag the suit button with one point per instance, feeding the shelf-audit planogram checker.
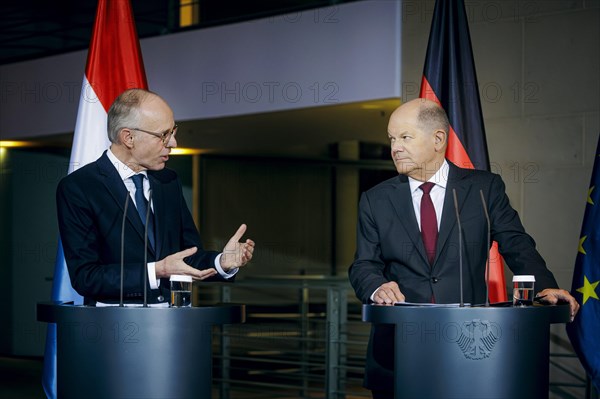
(434, 280)
(161, 298)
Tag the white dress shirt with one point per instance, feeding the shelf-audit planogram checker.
(437, 194)
(126, 173)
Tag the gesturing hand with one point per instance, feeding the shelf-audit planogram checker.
(235, 253)
(174, 264)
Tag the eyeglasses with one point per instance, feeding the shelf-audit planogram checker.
(164, 137)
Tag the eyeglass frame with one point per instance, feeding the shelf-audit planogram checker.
(165, 137)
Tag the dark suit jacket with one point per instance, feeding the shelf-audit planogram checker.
(90, 203)
(390, 248)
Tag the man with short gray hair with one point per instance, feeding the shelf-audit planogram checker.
(91, 202)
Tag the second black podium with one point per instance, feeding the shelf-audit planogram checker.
(454, 352)
(115, 352)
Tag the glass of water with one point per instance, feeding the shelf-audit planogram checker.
(181, 291)
(523, 290)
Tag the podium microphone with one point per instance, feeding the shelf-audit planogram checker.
(123, 246)
(487, 269)
(460, 247)
(146, 249)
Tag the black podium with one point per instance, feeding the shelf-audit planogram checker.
(479, 352)
(126, 352)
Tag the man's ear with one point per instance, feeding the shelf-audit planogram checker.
(126, 137)
(440, 139)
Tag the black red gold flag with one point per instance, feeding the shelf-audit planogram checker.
(449, 79)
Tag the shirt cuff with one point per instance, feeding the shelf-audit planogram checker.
(372, 297)
(154, 282)
(222, 272)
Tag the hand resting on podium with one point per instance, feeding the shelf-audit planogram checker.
(554, 296)
(388, 294)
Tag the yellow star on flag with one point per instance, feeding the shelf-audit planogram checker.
(588, 290)
(589, 199)
(581, 240)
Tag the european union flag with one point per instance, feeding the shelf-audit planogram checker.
(584, 330)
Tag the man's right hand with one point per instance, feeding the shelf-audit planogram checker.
(388, 294)
(174, 264)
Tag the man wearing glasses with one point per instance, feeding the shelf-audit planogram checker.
(92, 200)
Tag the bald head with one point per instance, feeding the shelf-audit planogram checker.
(426, 114)
(142, 130)
(125, 110)
(418, 132)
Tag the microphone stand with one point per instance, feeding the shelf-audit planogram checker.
(146, 249)
(460, 260)
(487, 269)
(123, 247)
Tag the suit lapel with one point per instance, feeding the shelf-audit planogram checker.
(448, 222)
(115, 186)
(401, 199)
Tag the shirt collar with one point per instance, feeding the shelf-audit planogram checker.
(124, 171)
(440, 178)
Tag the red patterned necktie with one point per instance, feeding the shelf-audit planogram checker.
(429, 228)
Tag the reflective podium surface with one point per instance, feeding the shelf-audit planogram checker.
(470, 352)
(135, 352)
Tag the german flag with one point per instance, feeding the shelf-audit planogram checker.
(449, 79)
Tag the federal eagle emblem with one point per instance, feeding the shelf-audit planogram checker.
(477, 339)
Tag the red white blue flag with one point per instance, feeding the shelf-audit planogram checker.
(114, 64)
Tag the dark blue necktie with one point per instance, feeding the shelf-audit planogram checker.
(141, 203)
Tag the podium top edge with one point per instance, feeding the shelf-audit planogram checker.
(385, 314)
(53, 312)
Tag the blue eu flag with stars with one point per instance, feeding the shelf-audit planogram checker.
(584, 331)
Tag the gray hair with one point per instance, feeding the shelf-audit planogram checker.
(124, 112)
(432, 117)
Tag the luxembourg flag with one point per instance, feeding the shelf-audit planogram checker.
(114, 64)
